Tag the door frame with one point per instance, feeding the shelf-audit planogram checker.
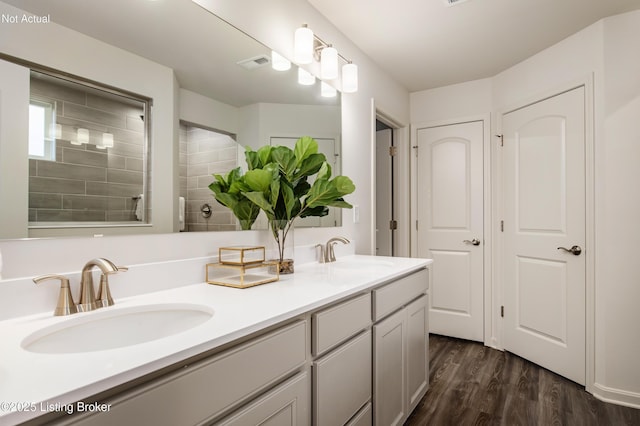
(498, 284)
(486, 210)
(401, 181)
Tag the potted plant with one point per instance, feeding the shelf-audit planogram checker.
(277, 182)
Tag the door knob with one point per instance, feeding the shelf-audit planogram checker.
(575, 250)
(475, 242)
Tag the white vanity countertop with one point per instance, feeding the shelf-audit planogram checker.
(34, 380)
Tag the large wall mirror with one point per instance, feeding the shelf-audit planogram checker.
(228, 96)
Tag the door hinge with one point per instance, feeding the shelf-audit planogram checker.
(393, 225)
(502, 226)
(416, 148)
(501, 139)
(502, 311)
(393, 150)
(416, 225)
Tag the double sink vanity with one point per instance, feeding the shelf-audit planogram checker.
(337, 343)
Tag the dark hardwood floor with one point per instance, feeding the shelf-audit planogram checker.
(471, 384)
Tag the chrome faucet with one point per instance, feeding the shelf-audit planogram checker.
(329, 253)
(87, 301)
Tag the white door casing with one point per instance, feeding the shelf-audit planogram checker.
(384, 195)
(544, 209)
(450, 214)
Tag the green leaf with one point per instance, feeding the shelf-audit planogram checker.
(340, 203)
(246, 212)
(310, 166)
(258, 179)
(289, 199)
(324, 192)
(324, 172)
(259, 200)
(264, 155)
(227, 200)
(251, 157)
(285, 159)
(305, 146)
(344, 185)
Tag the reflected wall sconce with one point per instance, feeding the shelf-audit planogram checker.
(305, 77)
(82, 137)
(327, 90)
(107, 141)
(279, 62)
(309, 47)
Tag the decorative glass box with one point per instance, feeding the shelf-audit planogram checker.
(241, 255)
(242, 276)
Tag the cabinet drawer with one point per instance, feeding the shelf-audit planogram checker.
(211, 387)
(338, 323)
(288, 404)
(397, 294)
(342, 381)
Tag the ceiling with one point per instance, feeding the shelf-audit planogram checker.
(424, 44)
(202, 49)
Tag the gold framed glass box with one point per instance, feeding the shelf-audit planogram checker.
(241, 255)
(242, 276)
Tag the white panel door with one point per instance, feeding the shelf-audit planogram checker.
(384, 197)
(544, 210)
(450, 226)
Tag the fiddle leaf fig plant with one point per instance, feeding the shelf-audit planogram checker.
(277, 182)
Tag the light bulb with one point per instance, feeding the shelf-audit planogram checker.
(83, 136)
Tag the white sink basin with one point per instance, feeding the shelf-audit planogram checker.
(113, 328)
(360, 264)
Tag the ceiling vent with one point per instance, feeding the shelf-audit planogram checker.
(255, 62)
(453, 2)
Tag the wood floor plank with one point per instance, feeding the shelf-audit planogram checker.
(470, 384)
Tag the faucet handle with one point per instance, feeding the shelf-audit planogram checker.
(66, 305)
(323, 257)
(104, 298)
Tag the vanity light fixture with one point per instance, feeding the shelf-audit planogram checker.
(279, 62)
(327, 91)
(305, 77)
(305, 52)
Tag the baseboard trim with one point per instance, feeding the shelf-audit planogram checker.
(616, 396)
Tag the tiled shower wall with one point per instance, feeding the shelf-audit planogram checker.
(86, 183)
(203, 153)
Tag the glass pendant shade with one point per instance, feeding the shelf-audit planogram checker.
(327, 91)
(303, 46)
(329, 63)
(305, 78)
(279, 62)
(350, 78)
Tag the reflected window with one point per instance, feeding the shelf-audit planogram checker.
(42, 130)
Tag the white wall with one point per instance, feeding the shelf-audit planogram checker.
(607, 51)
